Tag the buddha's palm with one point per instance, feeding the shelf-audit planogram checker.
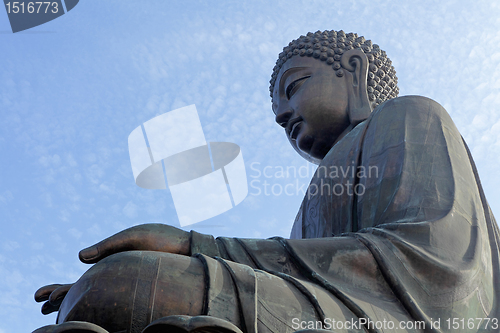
(146, 237)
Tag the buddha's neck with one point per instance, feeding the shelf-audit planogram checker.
(344, 133)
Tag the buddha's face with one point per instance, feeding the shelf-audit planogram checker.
(311, 103)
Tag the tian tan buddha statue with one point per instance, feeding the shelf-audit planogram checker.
(413, 248)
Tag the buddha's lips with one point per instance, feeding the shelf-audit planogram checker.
(293, 127)
(295, 130)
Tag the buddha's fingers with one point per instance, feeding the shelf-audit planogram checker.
(125, 240)
(42, 294)
(57, 295)
(53, 295)
(48, 308)
(146, 237)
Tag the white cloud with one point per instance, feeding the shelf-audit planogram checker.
(11, 245)
(75, 233)
(37, 245)
(130, 210)
(6, 197)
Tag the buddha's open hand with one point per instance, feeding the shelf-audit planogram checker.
(144, 237)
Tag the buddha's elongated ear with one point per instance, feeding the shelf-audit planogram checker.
(355, 63)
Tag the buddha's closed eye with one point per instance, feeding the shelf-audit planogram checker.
(294, 86)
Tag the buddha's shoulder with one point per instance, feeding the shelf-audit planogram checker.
(410, 108)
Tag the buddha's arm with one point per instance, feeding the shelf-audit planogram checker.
(333, 260)
(327, 271)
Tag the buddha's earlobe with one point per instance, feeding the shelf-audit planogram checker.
(355, 63)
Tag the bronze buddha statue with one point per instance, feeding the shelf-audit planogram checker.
(415, 244)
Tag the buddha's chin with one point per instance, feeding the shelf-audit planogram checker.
(312, 147)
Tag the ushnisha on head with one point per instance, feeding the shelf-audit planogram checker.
(326, 83)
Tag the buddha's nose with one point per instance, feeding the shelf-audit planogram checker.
(283, 118)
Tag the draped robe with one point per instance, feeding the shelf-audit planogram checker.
(415, 240)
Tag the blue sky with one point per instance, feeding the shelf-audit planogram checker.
(73, 89)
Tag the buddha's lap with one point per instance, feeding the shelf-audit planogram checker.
(138, 287)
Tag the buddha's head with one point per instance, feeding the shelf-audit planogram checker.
(326, 83)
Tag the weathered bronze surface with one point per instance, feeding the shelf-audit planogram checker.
(394, 228)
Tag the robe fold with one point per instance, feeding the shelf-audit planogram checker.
(394, 227)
